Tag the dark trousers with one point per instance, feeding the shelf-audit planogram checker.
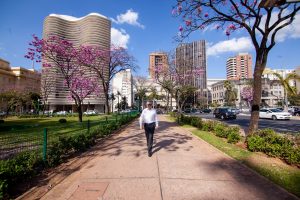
(149, 131)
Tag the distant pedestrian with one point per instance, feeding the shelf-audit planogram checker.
(149, 120)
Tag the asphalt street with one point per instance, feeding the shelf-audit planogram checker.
(281, 126)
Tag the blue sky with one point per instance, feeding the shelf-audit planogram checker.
(143, 26)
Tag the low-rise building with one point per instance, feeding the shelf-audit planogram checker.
(18, 78)
(272, 92)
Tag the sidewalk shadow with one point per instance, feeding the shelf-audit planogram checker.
(134, 142)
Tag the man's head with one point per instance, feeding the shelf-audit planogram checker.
(149, 104)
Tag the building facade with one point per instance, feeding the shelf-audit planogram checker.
(18, 78)
(191, 59)
(272, 93)
(210, 82)
(123, 83)
(157, 59)
(93, 29)
(239, 67)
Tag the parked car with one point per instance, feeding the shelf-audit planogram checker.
(62, 113)
(206, 110)
(90, 112)
(297, 112)
(273, 113)
(224, 113)
(188, 110)
(236, 110)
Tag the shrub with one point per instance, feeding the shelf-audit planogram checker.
(273, 144)
(233, 137)
(255, 143)
(208, 125)
(194, 121)
(14, 170)
(62, 120)
(221, 130)
(1, 121)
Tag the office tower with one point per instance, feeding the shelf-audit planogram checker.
(157, 59)
(122, 83)
(93, 29)
(239, 67)
(191, 59)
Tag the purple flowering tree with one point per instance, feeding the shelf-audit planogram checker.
(61, 56)
(106, 64)
(247, 95)
(262, 25)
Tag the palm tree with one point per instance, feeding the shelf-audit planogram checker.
(230, 93)
(287, 88)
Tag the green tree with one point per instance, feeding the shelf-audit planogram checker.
(230, 94)
(287, 88)
(141, 89)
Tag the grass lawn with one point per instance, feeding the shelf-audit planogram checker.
(274, 169)
(17, 134)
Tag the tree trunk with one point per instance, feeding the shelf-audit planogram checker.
(256, 97)
(79, 109)
(106, 103)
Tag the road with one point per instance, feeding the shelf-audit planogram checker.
(281, 126)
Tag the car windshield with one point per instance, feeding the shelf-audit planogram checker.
(275, 110)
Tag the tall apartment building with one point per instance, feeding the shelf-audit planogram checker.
(93, 29)
(190, 57)
(157, 59)
(123, 83)
(239, 67)
(18, 78)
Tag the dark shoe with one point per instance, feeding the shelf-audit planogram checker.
(149, 154)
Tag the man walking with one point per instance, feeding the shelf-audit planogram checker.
(148, 118)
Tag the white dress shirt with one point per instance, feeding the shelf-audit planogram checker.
(148, 116)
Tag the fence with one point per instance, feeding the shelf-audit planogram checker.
(38, 140)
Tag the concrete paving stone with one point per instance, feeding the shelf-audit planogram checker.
(120, 167)
(193, 167)
(133, 189)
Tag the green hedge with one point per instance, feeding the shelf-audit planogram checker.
(273, 144)
(219, 128)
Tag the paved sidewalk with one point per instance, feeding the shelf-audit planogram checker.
(182, 167)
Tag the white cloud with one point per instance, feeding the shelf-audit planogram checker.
(234, 45)
(119, 37)
(130, 17)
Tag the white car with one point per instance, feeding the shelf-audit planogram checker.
(273, 113)
(90, 112)
(62, 113)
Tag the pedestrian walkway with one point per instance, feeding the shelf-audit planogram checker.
(182, 167)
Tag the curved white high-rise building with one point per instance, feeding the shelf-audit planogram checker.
(93, 29)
